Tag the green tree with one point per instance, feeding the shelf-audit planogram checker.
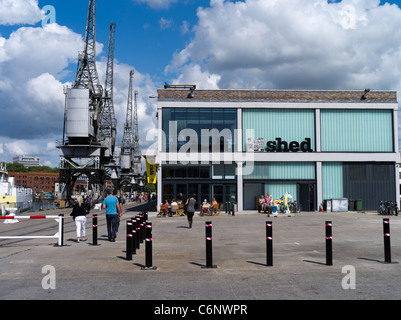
(150, 187)
(16, 167)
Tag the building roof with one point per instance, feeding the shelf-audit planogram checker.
(278, 95)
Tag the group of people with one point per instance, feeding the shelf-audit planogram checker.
(114, 211)
(209, 207)
(265, 202)
(189, 206)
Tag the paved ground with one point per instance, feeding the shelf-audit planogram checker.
(84, 271)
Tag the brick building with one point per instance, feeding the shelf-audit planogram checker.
(37, 181)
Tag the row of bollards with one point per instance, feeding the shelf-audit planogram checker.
(329, 242)
(269, 243)
(138, 230)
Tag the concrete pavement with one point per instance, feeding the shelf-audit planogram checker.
(84, 271)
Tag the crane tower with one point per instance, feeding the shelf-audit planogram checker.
(130, 156)
(89, 121)
(127, 144)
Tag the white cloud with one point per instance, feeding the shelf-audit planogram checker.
(38, 91)
(303, 44)
(33, 63)
(31, 94)
(41, 148)
(192, 74)
(21, 147)
(33, 51)
(20, 12)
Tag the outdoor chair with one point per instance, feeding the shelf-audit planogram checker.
(219, 209)
(180, 210)
(174, 210)
(214, 209)
(163, 211)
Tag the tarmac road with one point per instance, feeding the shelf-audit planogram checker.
(83, 271)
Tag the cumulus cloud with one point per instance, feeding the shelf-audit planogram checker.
(46, 151)
(20, 12)
(21, 147)
(34, 63)
(302, 44)
(31, 90)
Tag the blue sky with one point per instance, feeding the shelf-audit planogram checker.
(146, 37)
(216, 44)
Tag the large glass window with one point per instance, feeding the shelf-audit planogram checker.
(184, 172)
(176, 120)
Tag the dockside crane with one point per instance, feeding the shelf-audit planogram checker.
(108, 121)
(81, 150)
(137, 162)
(129, 144)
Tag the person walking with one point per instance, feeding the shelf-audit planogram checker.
(119, 209)
(112, 207)
(79, 215)
(190, 209)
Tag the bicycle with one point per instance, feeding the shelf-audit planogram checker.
(394, 208)
(294, 207)
(382, 208)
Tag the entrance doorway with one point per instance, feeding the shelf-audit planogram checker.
(224, 193)
(251, 192)
(307, 196)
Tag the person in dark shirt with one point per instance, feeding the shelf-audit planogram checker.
(79, 215)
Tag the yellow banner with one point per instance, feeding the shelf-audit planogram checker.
(151, 172)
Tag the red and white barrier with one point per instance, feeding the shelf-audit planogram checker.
(28, 217)
(58, 235)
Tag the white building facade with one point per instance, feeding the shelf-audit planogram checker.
(235, 145)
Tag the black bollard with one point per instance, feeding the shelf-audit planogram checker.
(269, 243)
(134, 235)
(142, 228)
(148, 247)
(329, 244)
(387, 244)
(94, 230)
(209, 253)
(138, 231)
(129, 241)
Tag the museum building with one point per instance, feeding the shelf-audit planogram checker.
(235, 145)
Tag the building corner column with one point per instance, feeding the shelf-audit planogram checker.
(319, 183)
